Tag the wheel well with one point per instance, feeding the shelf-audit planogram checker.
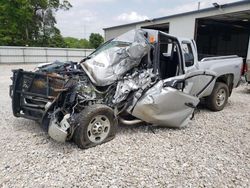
(227, 79)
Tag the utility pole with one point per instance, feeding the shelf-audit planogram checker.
(199, 5)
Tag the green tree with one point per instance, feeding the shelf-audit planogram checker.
(70, 42)
(30, 22)
(15, 18)
(56, 39)
(76, 43)
(95, 40)
(84, 43)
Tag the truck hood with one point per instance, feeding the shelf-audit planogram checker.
(114, 59)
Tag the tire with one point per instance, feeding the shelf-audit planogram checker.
(218, 98)
(97, 125)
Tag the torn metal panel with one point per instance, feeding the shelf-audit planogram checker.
(165, 106)
(58, 131)
(137, 81)
(59, 67)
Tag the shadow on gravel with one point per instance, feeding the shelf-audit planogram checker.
(20, 124)
(147, 128)
(245, 90)
(66, 148)
(144, 128)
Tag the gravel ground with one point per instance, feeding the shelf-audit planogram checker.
(213, 151)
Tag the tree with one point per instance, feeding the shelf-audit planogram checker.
(76, 43)
(71, 42)
(56, 40)
(84, 43)
(95, 40)
(30, 22)
(15, 18)
(44, 16)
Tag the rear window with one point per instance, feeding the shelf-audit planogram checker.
(188, 54)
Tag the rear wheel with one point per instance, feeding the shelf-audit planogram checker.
(97, 125)
(218, 98)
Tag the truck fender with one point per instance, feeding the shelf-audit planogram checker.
(227, 79)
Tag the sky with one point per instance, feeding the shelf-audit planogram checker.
(91, 16)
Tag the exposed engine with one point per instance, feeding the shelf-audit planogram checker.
(78, 92)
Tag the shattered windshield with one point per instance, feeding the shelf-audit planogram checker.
(110, 44)
(122, 41)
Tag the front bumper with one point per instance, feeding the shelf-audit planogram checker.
(31, 92)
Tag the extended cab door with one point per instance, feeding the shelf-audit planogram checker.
(172, 101)
(194, 81)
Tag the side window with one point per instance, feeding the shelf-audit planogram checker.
(188, 54)
(166, 49)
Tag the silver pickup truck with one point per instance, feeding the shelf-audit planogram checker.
(143, 76)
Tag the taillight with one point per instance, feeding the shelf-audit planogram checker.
(244, 68)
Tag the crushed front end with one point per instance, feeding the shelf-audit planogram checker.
(33, 93)
(45, 98)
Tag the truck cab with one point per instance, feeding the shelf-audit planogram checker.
(177, 58)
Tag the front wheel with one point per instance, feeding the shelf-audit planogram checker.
(218, 98)
(97, 125)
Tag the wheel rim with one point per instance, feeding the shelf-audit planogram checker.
(98, 128)
(221, 97)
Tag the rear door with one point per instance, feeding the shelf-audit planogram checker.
(193, 83)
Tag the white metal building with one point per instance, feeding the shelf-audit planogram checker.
(219, 30)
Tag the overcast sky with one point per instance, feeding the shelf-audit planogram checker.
(88, 16)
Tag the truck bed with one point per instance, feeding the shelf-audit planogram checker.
(224, 65)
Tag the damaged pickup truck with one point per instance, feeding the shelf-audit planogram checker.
(142, 76)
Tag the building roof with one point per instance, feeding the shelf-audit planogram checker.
(183, 14)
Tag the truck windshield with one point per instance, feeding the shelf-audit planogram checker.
(121, 41)
(110, 44)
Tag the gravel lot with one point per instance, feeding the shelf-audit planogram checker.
(213, 151)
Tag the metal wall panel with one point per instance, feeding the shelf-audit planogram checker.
(57, 58)
(76, 59)
(55, 52)
(34, 59)
(76, 53)
(10, 55)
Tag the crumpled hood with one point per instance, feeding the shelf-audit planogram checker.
(110, 65)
